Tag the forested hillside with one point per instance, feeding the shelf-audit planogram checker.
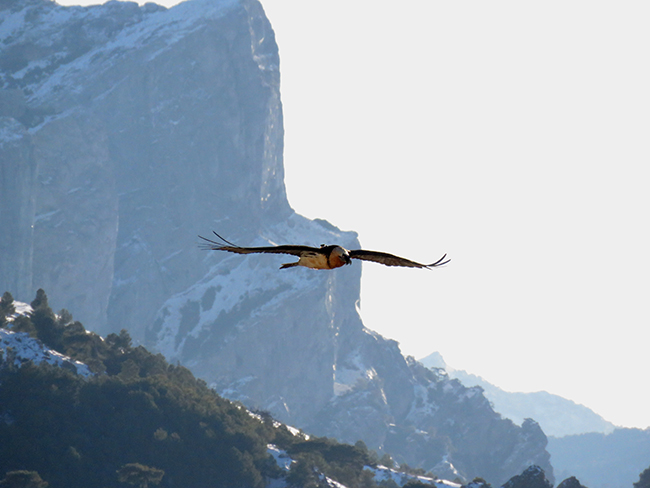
(141, 420)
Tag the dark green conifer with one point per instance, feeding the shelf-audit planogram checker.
(121, 342)
(644, 480)
(7, 307)
(40, 300)
(45, 323)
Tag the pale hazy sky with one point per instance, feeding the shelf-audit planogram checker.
(514, 136)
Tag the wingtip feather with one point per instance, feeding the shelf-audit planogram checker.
(439, 262)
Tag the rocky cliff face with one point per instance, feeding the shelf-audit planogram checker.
(556, 415)
(125, 131)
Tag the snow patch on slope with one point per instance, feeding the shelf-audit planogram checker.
(10, 131)
(20, 348)
(346, 375)
(385, 475)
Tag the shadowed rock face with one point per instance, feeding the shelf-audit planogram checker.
(125, 131)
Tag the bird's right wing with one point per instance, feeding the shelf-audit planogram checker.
(392, 260)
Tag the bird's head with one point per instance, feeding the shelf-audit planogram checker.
(342, 254)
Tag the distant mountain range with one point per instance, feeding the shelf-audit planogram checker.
(556, 416)
(581, 442)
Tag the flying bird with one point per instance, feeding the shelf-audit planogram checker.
(324, 257)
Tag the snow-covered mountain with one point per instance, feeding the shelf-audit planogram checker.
(557, 416)
(125, 131)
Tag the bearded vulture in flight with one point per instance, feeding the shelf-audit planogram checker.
(324, 257)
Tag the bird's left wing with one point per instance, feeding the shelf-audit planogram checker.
(392, 260)
(284, 249)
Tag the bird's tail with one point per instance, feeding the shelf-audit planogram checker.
(289, 265)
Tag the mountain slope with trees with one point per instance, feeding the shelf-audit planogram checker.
(137, 408)
(140, 420)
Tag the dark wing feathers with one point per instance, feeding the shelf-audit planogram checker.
(392, 260)
(285, 249)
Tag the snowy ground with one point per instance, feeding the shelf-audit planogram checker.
(21, 348)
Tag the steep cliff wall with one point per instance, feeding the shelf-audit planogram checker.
(127, 131)
(17, 190)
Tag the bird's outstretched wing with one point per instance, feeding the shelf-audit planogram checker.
(392, 260)
(230, 247)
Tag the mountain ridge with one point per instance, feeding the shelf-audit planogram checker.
(556, 415)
